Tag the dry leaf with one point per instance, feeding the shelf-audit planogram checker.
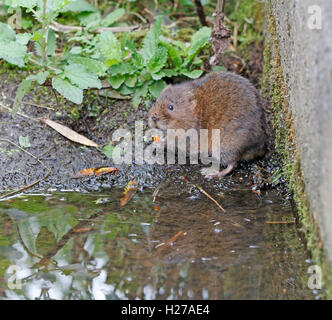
(84, 173)
(105, 170)
(82, 230)
(69, 133)
(129, 192)
(94, 172)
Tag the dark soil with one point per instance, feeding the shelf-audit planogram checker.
(96, 118)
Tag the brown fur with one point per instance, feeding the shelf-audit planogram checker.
(219, 100)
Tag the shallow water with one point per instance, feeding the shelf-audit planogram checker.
(83, 246)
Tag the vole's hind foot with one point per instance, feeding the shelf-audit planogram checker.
(225, 172)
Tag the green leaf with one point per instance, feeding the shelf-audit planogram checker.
(36, 36)
(124, 90)
(6, 33)
(112, 17)
(21, 91)
(66, 89)
(170, 73)
(89, 19)
(51, 43)
(26, 23)
(181, 45)
(42, 76)
(23, 3)
(131, 81)
(23, 38)
(151, 41)
(188, 3)
(122, 68)
(24, 142)
(144, 76)
(80, 76)
(198, 40)
(92, 65)
(13, 52)
(157, 87)
(124, 38)
(136, 57)
(76, 50)
(197, 61)
(79, 6)
(110, 47)
(158, 61)
(173, 52)
(158, 76)
(139, 93)
(108, 150)
(192, 74)
(116, 81)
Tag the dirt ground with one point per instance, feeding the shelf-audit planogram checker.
(96, 119)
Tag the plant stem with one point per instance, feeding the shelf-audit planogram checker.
(221, 6)
(200, 12)
(37, 62)
(44, 29)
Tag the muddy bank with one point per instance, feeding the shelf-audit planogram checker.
(96, 119)
(63, 157)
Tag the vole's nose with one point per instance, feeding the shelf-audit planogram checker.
(154, 118)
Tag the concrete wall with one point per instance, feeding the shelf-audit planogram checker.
(306, 58)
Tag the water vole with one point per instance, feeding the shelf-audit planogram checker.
(219, 100)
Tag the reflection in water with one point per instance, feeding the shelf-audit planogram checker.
(82, 246)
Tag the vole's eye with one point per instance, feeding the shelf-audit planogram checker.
(170, 107)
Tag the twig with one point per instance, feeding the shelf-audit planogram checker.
(31, 104)
(56, 97)
(32, 184)
(175, 6)
(18, 113)
(205, 193)
(280, 222)
(236, 29)
(139, 16)
(150, 14)
(155, 193)
(200, 12)
(63, 28)
(170, 241)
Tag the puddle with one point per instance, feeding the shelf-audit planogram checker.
(83, 246)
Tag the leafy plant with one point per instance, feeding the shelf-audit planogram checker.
(130, 69)
(69, 76)
(140, 72)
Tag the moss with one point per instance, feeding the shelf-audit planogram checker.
(274, 87)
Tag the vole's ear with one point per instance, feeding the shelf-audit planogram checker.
(166, 88)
